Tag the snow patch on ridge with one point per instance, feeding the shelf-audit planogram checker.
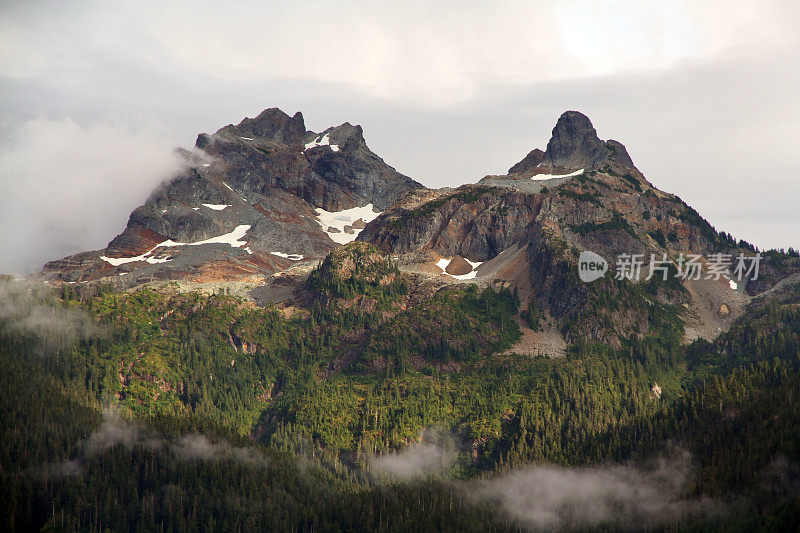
(325, 141)
(290, 257)
(551, 176)
(346, 217)
(216, 207)
(117, 261)
(231, 238)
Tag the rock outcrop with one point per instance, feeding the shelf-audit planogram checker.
(266, 196)
(582, 193)
(529, 162)
(458, 266)
(267, 174)
(574, 145)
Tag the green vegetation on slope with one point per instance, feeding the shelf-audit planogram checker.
(349, 380)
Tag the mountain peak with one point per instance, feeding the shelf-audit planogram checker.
(574, 143)
(272, 124)
(346, 135)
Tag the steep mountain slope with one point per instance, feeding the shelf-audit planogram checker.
(265, 197)
(418, 346)
(254, 198)
(581, 194)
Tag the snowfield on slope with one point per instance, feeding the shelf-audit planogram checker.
(325, 141)
(346, 217)
(551, 176)
(444, 263)
(290, 257)
(231, 238)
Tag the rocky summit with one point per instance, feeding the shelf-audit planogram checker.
(262, 202)
(254, 198)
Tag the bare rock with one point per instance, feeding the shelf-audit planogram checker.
(529, 162)
(458, 266)
(574, 143)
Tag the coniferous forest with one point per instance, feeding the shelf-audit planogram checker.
(161, 410)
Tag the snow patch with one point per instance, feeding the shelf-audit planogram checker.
(346, 217)
(551, 176)
(231, 238)
(324, 141)
(473, 264)
(247, 138)
(206, 164)
(444, 263)
(248, 250)
(732, 284)
(117, 261)
(234, 192)
(216, 207)
(470, 275)
(290, 257)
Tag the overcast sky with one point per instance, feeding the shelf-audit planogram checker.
(705, 95)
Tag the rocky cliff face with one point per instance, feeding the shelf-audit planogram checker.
(265, 178)
(266, 195)
(334, 169)
(582, 193)
(574, 145)
(604, 204)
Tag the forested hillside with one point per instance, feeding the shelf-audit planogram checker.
(153, 409)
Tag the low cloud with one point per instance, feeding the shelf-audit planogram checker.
(199, 447)
(116, 431)
(434, 453)
(34, 310)
(63, 469)
(66, 187)
(551, 497)
(413, 462)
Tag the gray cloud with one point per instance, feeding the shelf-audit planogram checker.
(35, 310)
(551, 497)
(68, 186)
(703, 96)
(415, 461)
(115, 430)
(62, 469)
(199, 447)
